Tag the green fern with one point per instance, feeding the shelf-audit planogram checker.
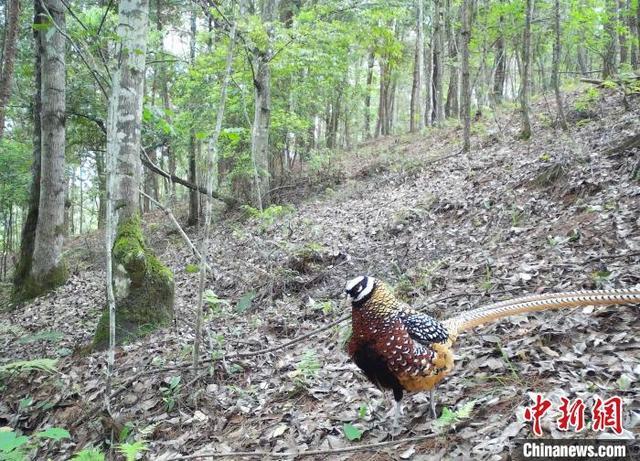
(131, 450)
(46, 365)
(89, 454)
(451, 418)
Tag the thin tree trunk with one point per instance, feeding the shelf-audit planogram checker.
(415, 122)
(438, 68)
(262, 114)
(48, 269)
(622, 37)
(27, 241)
(102, 188)
(211, 173)
(428, 80)
(12, 25)
(451, 108)
(609, 57)
(194, 197)
(525, 132)
(556, 65)
(367, 98)
(500, 65)
(633, 32)
(466, 89)
(142, 286)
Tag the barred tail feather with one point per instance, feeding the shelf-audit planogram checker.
(496, 311)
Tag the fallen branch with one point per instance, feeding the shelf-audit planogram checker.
(301, 454)
(629, 143)
(175, 222)
(229, 201)
(602, 83)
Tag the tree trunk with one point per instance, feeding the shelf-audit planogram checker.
(525, 132)
(194, 197)
(451, 108)
(500, 65)
(102, 188)
(12, 25)
(621, 28)
(142, 286)
(438, 68)
(633, 32)
(466, 87)
(609, 57)
(367, 98)
(428, 80)
(262, 113)
(27, 241)
(556, 65)
(48, 270)
(415, 122)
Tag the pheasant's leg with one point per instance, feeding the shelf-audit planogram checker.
(396, 413)
(432, 401)
(397, 396)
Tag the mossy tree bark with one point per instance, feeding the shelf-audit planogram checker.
(143, 287)
(47, 267)
(23, 268)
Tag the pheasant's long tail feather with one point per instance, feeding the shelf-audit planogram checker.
(492, 312)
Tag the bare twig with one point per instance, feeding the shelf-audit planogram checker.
(175, 222)
(301, 454)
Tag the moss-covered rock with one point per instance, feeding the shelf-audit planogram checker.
(143, 288)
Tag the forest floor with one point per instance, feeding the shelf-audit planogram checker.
(449, 232)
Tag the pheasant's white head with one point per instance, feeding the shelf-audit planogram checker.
(359, 288)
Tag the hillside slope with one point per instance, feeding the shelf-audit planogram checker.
(449, 232)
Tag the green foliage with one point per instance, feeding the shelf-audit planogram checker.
(21, 366)
(132, 450)
(214, 303)
(244, 303)
(587, 100)
(54, 433)
(170, 392)
(12, 446)
(269, 215)
(351, 432)
(89, 454)
(307, 368)
(15, 447)
(53, 336)
(451, 418)
(192, 269)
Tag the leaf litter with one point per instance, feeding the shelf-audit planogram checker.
(449, 235)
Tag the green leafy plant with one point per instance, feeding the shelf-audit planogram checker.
(351, 432)
(21, 366)
(451, 418)
(487, 281)
(15, 447)
(307, 368)
(587, 100)
(214, 303)
(269, 215)
(89, 454)
(53, 336)
(131, 450)
(244, 303)
(170, 392)
(192, 268)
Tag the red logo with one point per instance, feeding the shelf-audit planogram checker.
(605, 413)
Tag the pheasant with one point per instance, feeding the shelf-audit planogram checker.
(401, 349)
